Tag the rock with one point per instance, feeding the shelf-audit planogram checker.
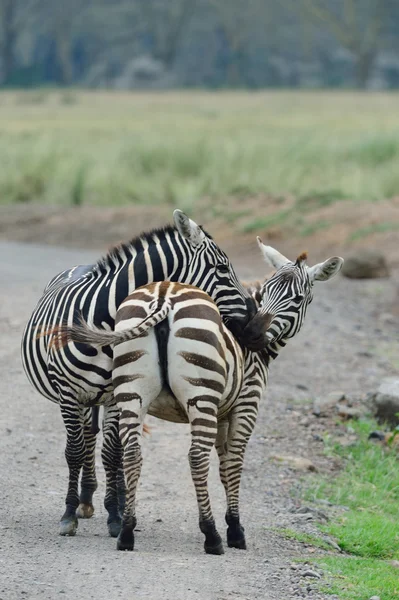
(308, 510)
(386, 401)
(365, 264)
(322, 406)
(375, 598)
(394, 563)
(349, 412)
(310, 573)
(295, 462)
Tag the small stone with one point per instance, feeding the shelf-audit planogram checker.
(349, 412)
(310, 573)
(331, 543)
(323, 405)
(394, 563)
(159, 521)
(295, 462)
(375, 598)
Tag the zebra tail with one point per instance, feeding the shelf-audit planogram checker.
(95, 336)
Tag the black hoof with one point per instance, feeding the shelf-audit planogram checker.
(236, 537)
(218, 549)
(68, 526)
(237, 543)
(114, 528)
(125, 541)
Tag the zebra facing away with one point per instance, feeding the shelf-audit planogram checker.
(174, 359)
(81, 377)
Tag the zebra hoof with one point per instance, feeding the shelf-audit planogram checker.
(114, 529)
(236, 538)
(125, 541)
(85, 511)
(218, 549)
(240, 544)
(68, 526)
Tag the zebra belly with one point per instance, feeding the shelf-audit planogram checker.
(167, 408)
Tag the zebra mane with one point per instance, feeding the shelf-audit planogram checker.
(124, 249)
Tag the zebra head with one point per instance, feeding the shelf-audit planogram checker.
(285, 297)
(209, 268)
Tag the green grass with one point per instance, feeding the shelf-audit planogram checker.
(375, 228)
(360, 578)
(368, 486)
(179, 147)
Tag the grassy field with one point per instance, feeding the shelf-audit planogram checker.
(107, 148)
(368, 531)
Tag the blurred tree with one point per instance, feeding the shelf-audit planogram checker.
(236, 20)
(358, 25)
(8, 22)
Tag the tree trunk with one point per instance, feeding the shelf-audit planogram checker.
(364, 65)
(64, 57)
(8, 35)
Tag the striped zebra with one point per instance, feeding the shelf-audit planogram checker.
(81, 377)
(174, 359)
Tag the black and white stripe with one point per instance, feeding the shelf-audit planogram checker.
(80, 377)
(175, 359)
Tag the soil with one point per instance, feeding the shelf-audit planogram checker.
(348, 344)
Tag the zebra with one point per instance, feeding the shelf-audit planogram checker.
(81, 377)
(175, 359)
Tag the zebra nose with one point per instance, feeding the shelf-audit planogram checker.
(254, 333)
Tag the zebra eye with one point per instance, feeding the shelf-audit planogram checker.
(223, 268)
(299, 298)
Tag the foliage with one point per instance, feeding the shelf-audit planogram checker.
(212, 43)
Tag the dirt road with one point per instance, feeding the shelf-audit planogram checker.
(340, 347)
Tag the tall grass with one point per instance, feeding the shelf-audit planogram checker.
(179, 147)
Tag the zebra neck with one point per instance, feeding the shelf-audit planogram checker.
(272, 351)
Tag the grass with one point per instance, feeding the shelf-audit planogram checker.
(375, 228)
(179, 147)
(369, 530)
(360, 578)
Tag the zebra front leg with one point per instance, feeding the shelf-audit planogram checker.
(75, 455)
(203, 423)
(111, 455)
(231, 444)
(88, 484)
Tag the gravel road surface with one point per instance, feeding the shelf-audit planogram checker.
(341, 347)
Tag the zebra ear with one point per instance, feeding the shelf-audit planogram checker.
(188, 229)
(272, 256)
(326, 270)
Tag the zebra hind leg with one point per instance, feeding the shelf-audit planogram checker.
(203, 435)
(85, 509)
(75, 455)
(130, 432)
(231, 444)
(112, 460)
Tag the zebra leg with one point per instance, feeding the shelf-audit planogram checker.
(130, 434)
(231, 443)
(111, 455)
(203, 423)
(121, 485)
(75, 455)
(88, 484)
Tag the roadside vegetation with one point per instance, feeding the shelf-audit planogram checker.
(367, 530)
(188, 148)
